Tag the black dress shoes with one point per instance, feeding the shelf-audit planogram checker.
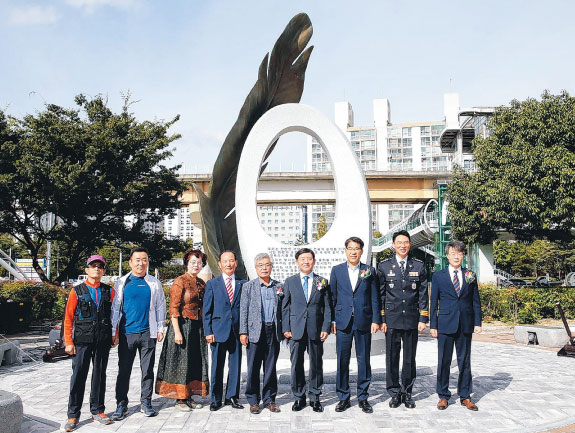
(233, 402)
(408, 401)
(215, 406)
(395, 401)
(343, 405)
(365, 406)
(299, 405)
(316, 406)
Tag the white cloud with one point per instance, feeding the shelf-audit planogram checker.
(34, 15)
(91, 5)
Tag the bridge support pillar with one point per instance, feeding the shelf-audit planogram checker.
(483, 263)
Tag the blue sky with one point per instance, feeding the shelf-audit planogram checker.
(199, 59)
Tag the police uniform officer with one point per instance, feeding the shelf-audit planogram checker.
(404, 300)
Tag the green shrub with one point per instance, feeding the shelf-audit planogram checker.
(528, 315)
(48, 301)
(526, 304)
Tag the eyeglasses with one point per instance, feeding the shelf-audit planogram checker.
(353, 249)
(456, 253)
(402, 243)
(264, 265)
(191, 263)
(96, 265)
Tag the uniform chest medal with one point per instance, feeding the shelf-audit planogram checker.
(414, 286)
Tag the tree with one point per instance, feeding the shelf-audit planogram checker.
(384, 255)
(536, 258)
(525, 178)
(514, 257)
(321, 228)
(91, 168)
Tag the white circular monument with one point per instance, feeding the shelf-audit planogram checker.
(352, 206)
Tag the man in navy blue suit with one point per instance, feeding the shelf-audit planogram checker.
(355, 294)
(455, 313)
(306, 319)
(222, 330)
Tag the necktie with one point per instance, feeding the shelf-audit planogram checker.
(229, 288)
(402, 266)
(456, 284)
(305, 288)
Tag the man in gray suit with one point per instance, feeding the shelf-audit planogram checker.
(260, 332)
(306, 321)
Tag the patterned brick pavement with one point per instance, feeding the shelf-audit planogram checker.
(517, 389)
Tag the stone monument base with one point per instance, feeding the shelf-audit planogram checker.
(11, 412)
(547, 336)
(10, 353)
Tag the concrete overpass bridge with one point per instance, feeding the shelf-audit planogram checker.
(416, 187)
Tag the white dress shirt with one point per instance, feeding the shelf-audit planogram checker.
(309, 282)
(459, 276)
(233, 281)
(353, 272)
(399, 260)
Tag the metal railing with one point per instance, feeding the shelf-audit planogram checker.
(421, 225)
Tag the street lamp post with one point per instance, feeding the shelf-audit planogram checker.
(120, 264)
(47, 222)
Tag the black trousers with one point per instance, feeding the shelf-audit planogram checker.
(98, 355)
(266, 350)
(462, 343)
(128, 346)
(298, 383)
(394, 338)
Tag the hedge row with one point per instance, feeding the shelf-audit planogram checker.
(48, 301)
(514, 305)
(526, 305)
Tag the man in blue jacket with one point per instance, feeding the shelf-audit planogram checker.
(222, 330)
(455, 314)
(355, 292)
(306, 318)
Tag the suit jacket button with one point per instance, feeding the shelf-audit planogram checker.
(404, 311)
(404, 300)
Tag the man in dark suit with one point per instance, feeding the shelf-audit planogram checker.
(222, 330)
(355, 295)
(306, 318)
(455, 315)
(261, 333)
(404, 299)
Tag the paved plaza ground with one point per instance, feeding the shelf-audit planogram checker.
(517, 389)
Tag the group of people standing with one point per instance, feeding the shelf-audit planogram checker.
(226, 313)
